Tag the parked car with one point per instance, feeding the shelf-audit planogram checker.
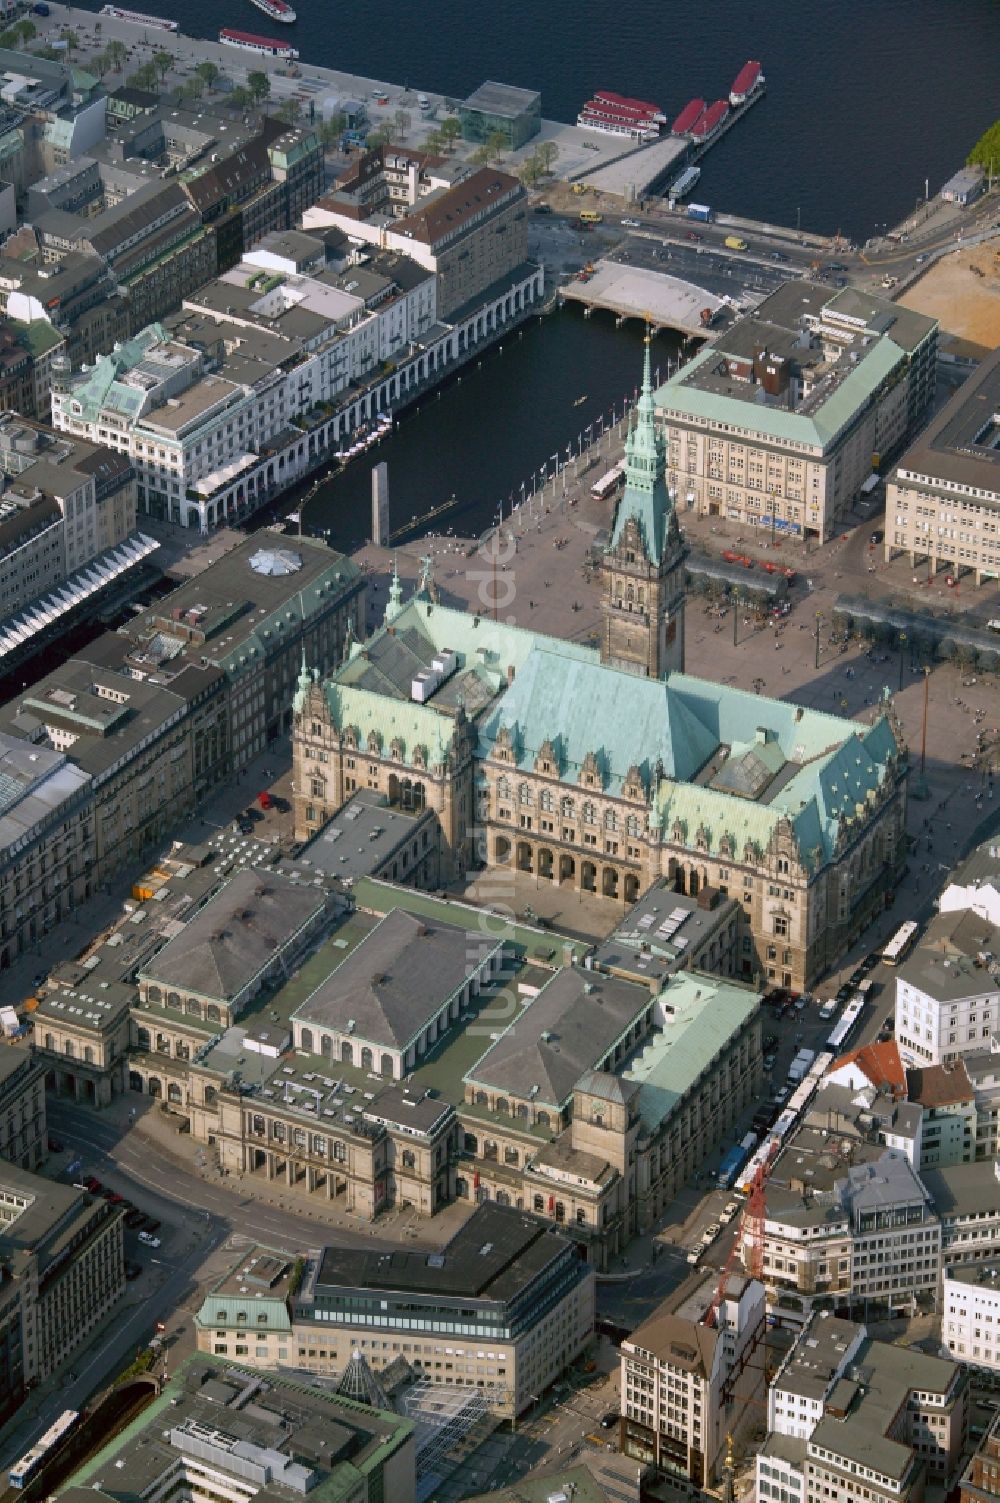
(134, 1219)
(781, 1095)
(694, 1254)
(843, 992)
(769, 1062)
(710, 1233)
(728, 1211)
(148, 1239)
(770, 1042)
(778, 256)
(609, 1420)
(93, 1185)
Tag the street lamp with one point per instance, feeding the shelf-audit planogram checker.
(819, 618)
(902, 645)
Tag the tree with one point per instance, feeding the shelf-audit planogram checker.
(546, 152)
(380, 136)
(145, 78)
(434, 141)
(986, 152)
(239, 98)
(402, 121)
(258, 86)
(496, 144)
(208, 72)
(163, 62)
(100, 63)
(27, 29)
(451, 130)
(481, 156)
(289, 110)
(117, 53)
(332, 128)
(70, 38)
(530, 170)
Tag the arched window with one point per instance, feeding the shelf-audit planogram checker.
(346, 1053)
(502, 1106)
(88, 1055)
(566, 808)
(409, 1158)
(326, 1046)
(154, 994)
(50, 1042)
(212, 1014)
(68, 1048)
(481, 1099)
(366, 1058)
(141, 1038)
(173, 999)
(306, 1040)
(543, 1119)
(387, 1065)
(193, 1007)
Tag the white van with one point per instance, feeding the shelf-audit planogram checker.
(424, 103)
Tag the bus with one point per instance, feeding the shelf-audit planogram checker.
(22, 1471)
(848, 1021)
(900, 944)
(609, 481)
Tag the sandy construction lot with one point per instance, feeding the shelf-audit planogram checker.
(966, 305)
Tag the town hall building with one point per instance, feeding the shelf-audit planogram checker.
(606, 770)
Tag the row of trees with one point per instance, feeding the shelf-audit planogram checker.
(539, 164)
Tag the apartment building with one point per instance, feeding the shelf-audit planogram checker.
(470, 229)
(943, 497)
(778, 423)
(860, 1419)
(505, 1307)
(227, 1428)
(947, 1101)
(975, 884)
(948, 990)
(64, 1268)
(32, 549)
(692, 1376)
(981, 1479)
(869, 1234)
(47, 842)
(75, 297)
(23, 1138)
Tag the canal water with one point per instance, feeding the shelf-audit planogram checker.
(492, 426)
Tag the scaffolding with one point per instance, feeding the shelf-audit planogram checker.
(450, 1422)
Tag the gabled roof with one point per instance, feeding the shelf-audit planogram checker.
(387, 990)
(569, 1028)
(879, 1063)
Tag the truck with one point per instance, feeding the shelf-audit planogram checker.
(735, 242)
(799, 1066)
(699, 211)
(40, 9)
(730, 1167)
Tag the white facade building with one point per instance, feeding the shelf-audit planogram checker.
(948, 990)
(970, 1314)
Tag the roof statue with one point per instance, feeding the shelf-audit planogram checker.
(427, 585)
(304, 682)
(395, 602)
(646, 499)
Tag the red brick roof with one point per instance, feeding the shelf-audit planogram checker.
(939, 1085)
(881, 1063)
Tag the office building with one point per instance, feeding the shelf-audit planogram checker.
(948, 990)
(869, 1234)
(23, 1138)
(942, 502)
(692, 1376)
(860, 1419)
(505, 1306)
(966, 1198)
(498, 110)
(226, 1428)
(587, 770)
(65, 1271)
(779, 422)
(470, 227)
(47, 842)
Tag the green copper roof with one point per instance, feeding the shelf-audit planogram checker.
(645, 500)
(700, 1015)
(819, 428)
(587, 707)
(100, 386)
